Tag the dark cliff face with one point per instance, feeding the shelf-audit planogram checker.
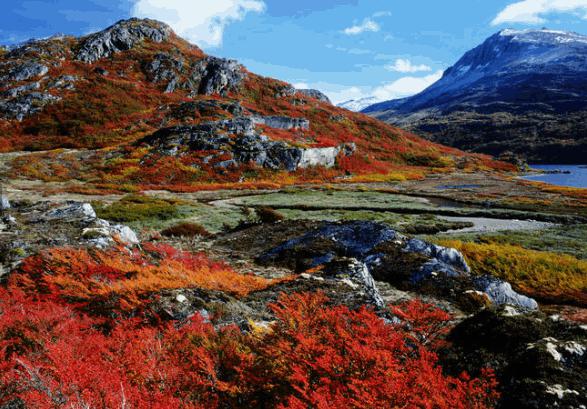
(520, 91)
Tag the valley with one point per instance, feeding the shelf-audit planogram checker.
(177, 231)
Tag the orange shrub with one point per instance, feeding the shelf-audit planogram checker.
(86, 275)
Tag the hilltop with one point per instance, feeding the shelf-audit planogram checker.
(146, 107)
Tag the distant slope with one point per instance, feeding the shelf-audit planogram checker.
(520, 91)
(155, 110)
(357, 105)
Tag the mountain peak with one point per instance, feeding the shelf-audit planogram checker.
(121, 36)
(543, 35)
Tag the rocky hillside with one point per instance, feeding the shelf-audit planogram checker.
(521, 92)
(154, 109)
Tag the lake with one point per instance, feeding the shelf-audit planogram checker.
(576, 178)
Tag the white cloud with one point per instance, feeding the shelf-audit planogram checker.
(405, 86)
(343, 94)
(533, 11)
(200, 21)
(402, 65)
(367, 25)
(402, 87)
(301, 85)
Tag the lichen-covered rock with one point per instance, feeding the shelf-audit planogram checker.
(165, 68)
(411, 264)
(71, 211)
(358, 272)
(4, 203)
(539, 362)
(16, 91)
(212, 75)
(33, 227)
(282, 122)
(22, 71)
(64, 82)
(121, 36)
(285, 91)
(314, 93)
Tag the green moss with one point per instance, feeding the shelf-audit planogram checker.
(132, 208)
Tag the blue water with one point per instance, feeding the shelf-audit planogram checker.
(577, 177)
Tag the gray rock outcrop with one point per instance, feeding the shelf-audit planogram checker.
(165, 68)
(17, 91)
(393, 258)
(212, 75)
(22, 71)
(239, 139)
(192, 109)
(314, 93)
(121, 36)
(24, 105)
(282, 122)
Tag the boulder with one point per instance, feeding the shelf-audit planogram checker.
(121, 36)
(4, 203)
(102, 234)
(314, 93)
(71, 211)
(319, 157)
(501, 292)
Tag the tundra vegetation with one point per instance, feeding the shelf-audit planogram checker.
(184, 233)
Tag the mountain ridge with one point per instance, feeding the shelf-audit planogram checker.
(519, 88)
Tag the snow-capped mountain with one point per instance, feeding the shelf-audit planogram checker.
(522, 91)
(358, 104)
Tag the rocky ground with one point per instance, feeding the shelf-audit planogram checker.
(540, 358)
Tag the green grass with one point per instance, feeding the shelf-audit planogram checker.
(140, 208)
(334, 199)
(409, 224)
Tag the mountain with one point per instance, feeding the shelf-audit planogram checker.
(521, 92)
(141, 106)
(357, 105)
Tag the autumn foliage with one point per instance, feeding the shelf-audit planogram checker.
(312, 356)
(548, 276)
(61, 348)
(122, 280)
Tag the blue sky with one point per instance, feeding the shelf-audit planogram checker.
(346, 48)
